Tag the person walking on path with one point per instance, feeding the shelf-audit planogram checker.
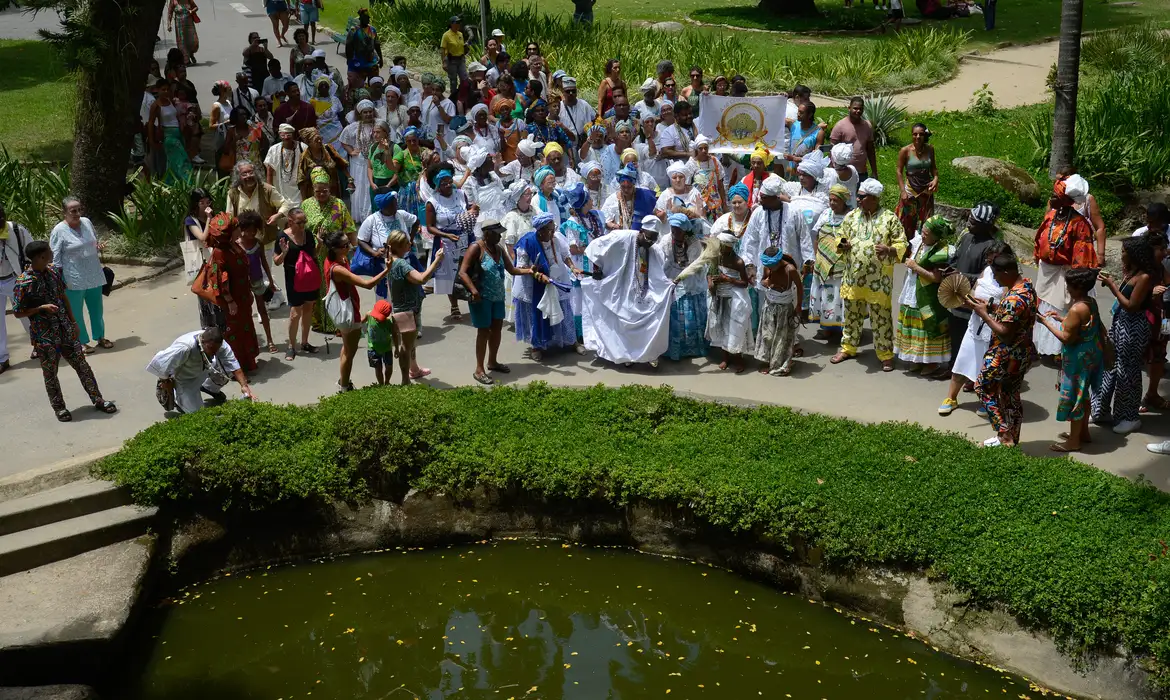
(346, 283)
(1010, 354)
(968, 360)
(301, 281)
(76, 252)
(40, 296)
(1064, 240)
(872, 240)
(1082, 358)
(14, 241)
(182, 17)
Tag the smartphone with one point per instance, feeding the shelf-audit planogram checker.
(264, 42)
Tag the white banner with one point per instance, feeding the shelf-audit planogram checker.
(736, 124)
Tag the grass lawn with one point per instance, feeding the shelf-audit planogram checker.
(38, 96)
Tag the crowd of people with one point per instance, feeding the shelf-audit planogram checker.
(609, 229)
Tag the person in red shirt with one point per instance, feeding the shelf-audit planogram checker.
(294, 110)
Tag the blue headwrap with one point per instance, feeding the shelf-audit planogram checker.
(381, 200)
(597, 127)
(740, 189)
(541, 220)
(541, 173)
(444, 173)
(578, 196)
(410, 131)
(538, 102)
(680, 221)
(628, 172)
(771, 261)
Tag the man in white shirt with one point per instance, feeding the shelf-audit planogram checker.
(244, 96)
(274, 84)
(282, 164)
(437, 110)
(648, 106)
(13, 239)
(576, 114)
(774, 223)
(196, 362)
(674, 140)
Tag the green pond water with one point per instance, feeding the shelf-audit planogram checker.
(528, 619)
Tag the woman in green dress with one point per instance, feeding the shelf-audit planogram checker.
(924, 323)
(325, 214)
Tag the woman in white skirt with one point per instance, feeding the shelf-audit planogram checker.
(517, 222)
(445, 209)
(969, 360)
(729, 308)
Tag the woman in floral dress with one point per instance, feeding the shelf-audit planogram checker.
(231, 280)
(825, 305)
(325, 214)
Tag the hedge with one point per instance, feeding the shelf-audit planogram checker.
(1062, 544)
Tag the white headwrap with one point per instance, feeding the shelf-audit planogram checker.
(773, 186)
(842, 154)
(474, 156)
(397, 71)
(652, 222)
(588, 167)
(529, 147)
(414, 102)
(377, 80)
(871, 186)
(650, 84)
(676, 168)
(394, 89)
(479, 107)
(700, 140)
(1076, 188)
(728, 238)
(516, 190)
(363, 106)
(812, 163)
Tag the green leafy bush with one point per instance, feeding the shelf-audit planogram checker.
(1060, 543)
(32, 194)
(152, 216)
(886, 116)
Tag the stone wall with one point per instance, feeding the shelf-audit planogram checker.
(930, 610)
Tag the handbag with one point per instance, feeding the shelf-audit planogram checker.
(307, 275)
(192, 258)
(340, 310)
(202, 284)
(404, 321)
(365, 265)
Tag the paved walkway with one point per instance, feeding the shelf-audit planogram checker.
(147, 316)
(1016, 76)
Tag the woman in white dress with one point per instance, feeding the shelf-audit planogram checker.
(356, 139)
(329, 111)
(446, 206)
(547, 199)
(591, 175)
(729, 310)
(396, 115)
(517, 222)
(826, 306)
(680, 197)
(484, 133)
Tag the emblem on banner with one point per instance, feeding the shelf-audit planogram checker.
(741, 124)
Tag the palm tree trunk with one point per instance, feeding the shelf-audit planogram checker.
(109, 93)
(1068, 66)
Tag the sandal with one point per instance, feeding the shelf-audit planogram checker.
(798, 351)
(456, 314)
(64, 415)
(483, 379)
(839, 358)
(502, 369)
(106, 407)
(310, 349)
(105, 343)
(888, 366)
(87, 349)
(291, 354)
(422, 372)
(1060, 447)
(1153, 403)
(536, 355)
(273, 349)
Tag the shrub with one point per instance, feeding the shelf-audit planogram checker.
(1060, 543)
(885, 115)
(153, 214)
(32, 194)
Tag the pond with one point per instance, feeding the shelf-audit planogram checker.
(528, 619)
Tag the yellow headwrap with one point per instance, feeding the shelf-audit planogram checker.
(841, 191)
(319, 176)
(763, 154)
(629, 153)
(553, 147)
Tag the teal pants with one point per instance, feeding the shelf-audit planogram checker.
(92, 300)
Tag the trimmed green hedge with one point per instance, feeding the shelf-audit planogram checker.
(1060, 543)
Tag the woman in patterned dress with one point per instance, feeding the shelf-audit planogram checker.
(688, 311)
(181, 16)
(924, 335)
(1010, 353)
(319, 155)
(325, 214)
(231, 280)
(825, 304)
(1082, 357)
(707, 176)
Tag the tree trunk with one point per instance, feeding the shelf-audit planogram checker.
(788, 7)
(1068, 66)
(109, 93)
(485, 22)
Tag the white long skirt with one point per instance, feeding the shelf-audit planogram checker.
(359, 170)
(445, 274)
(969, 360)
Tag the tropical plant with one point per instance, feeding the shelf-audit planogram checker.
(983, 101)
(152, 216)
(1143, 47)
(885, 115)
(32, 193)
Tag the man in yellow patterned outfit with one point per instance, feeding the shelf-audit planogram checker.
(872, 240)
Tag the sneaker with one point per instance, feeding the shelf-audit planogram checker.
(1126, 427)
(198, 160)
(1101, 420)
(981, 412)
(1159, 448)
(992, 442)
(343, 389)
(948, 407)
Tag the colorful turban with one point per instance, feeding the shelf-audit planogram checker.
(578, 196)
(224, 85)
(629, 153)
(841, 154)
(443, 174)
(361, 94)
(761, 151)
(541, 220)
(381, 201)
(309, 134)
(1073, 187)
(628, 172)
(840, 191)
(220, 230)
(502, 104)
(323, 80)
(410, 131)
(680, 221)
(319, 176)
(871, 186)
(940, 226)
(985, 212)
(553, 147)
(588, 167)
(541, 173)
(739, 189)
(596, 127)
(773, 186)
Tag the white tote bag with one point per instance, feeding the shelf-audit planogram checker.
(340, 310)
(193, 258)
